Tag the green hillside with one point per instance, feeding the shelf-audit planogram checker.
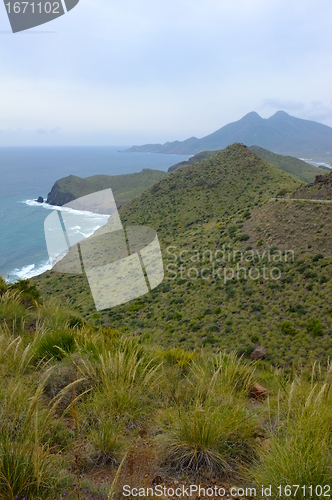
(124, 187)
(201, 215)
(169, 389)
(294, 166)
(302, 170)
(231, 180)
(88, 412)
(194, 159)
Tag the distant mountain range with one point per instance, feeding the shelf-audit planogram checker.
(281, 133)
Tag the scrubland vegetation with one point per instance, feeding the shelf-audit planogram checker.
(162, 389)
(77, 399)
(223, 204)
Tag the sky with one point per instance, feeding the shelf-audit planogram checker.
(124, 72)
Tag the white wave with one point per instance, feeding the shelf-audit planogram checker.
(29, 271)
(34, 203)
(78, 222)
(315, 163)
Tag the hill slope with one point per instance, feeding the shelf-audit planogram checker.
(194, 159)
(320, 189)
(212, 217)
(233, 179)
(302, 170)
(124, 186)
(294, 166)
(281, 133)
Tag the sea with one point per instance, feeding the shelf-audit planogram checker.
(29, 172)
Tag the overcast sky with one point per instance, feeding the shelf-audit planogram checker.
(115, 72)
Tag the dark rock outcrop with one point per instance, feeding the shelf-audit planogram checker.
(258, 353)
(320, 189)
(58, 199)
(60, 194)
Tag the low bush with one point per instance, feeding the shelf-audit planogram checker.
(54, 344)
(300, 450)
(208, 440)
(315, 327)
(287, 328)
(108, 442)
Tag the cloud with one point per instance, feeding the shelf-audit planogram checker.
(319, 111)
(283, 104)
(312, 110)
(157, 71)
(43, 131)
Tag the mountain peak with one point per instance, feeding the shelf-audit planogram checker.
(281, 133)
(252, 116)
(279, 114)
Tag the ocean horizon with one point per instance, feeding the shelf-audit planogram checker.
(29, 172)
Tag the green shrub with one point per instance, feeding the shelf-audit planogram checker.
(178, 357)
(75, 321)
(298, 459)
(244, 237)
(12, 311)
(297, 309)
(209, 340)
(310, 274)
(55, 344)
(287, 328)
(124, 379)
(231, 292)
(315, 327)
(195, 327)
(3, 286)
(299, 452)
(27, 468)
(220, 375)
(317, 257)
(26, 471)
(245, 351)
(108, 442)
(232, 231)
(207, 311)
(214, 440)
(30, 296)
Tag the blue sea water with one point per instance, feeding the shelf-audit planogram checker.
(29, 172)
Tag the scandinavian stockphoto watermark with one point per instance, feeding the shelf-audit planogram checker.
(225, 264)
(25, 15)
(120, 263)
